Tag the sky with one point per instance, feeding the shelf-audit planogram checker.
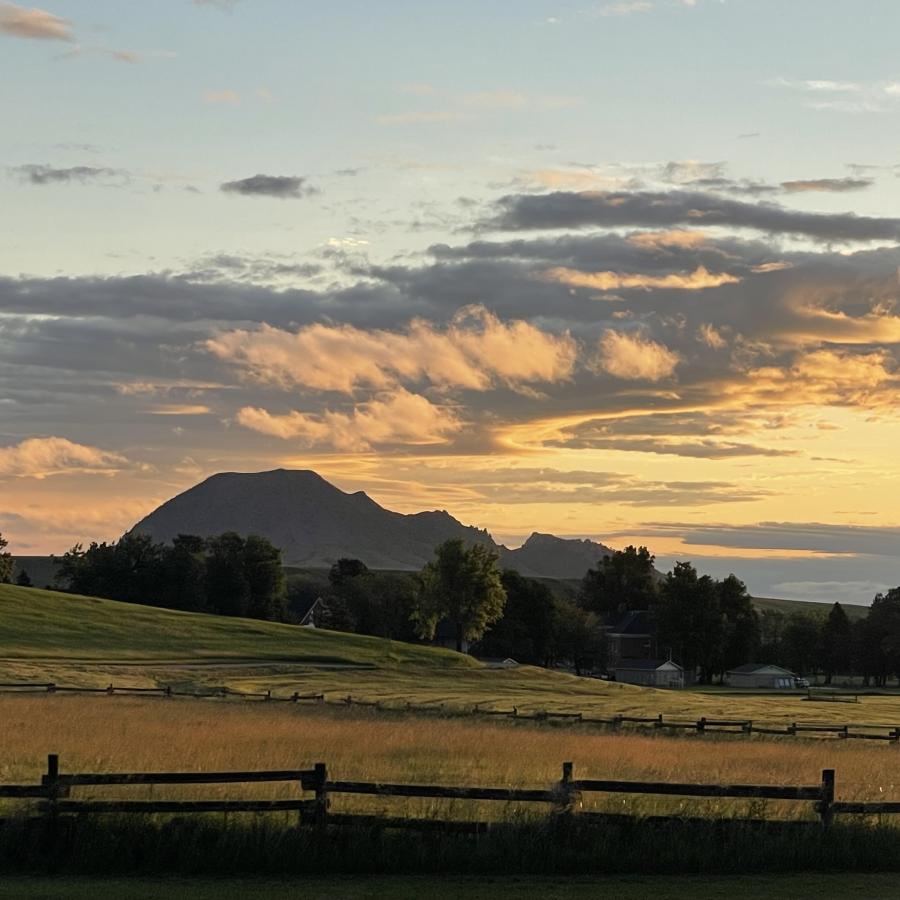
(620, 270)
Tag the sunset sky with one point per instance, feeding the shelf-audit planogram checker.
(621, 270)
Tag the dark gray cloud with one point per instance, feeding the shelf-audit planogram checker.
(802, 536)
(44, 174)
(284, 187)
(568, 209)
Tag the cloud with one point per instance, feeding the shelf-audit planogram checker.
(829, 185)
(44, 174)
(36, 24)
(816, 537)
(697, 280)
(399, 418)
(564, 209)
(625, 8)
(635, 357)
(226, 95)
(43, 457)
(282, 186)
(475, 351)
(419, 117)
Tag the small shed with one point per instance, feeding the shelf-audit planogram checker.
(650, 672)
(760, 675)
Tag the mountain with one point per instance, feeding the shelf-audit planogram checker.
(314, 523)
(554, 557)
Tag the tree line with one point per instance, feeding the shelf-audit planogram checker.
(227, 574)
(708, 626)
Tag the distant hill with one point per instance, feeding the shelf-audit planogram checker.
(314, 523)
(854, 610)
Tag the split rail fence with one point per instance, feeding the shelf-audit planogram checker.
(564, 798)
(702, 726)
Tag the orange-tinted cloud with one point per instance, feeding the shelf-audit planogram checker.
(402, 418)
(42, 457)
(634, 357)
(698, 280)
(475, 351)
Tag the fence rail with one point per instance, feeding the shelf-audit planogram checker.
(564, 796)
(889, 733)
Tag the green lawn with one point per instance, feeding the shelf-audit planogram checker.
(754, 887)
(38, 624)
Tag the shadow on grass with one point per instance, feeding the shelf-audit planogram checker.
(249, 844)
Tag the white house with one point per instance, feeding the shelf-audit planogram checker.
(760, 675)
(650, 672)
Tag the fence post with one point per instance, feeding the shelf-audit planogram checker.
(567, 797)
(659, 721)
(701, 725)
(321, 789)
(827, 801)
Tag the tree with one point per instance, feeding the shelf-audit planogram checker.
(836, 643)
(800, 644)
(880, 644)
(621, 582)
(462, 585)
(578, 636)
(525, 631)
(184, 574)
(6, 562)
(265, 579)
(741, 631)
(227, 585)
(690, 621)
(22, 579)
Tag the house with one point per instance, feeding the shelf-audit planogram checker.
(760, 675)
(629, 635)
(650, 673)
(445, 636)
(498, 662)
(308, 616)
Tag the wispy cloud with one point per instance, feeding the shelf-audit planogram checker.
(34, 24)
(45, 174)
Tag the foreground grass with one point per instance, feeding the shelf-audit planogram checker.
(100, 733)
(759, 887)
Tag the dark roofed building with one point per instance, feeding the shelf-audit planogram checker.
(630, 635)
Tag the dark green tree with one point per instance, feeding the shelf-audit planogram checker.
(227, 585)
(462, 585)
(690, 622)
(184, 574)
(6, 561)
(525, 631)
(881, 637)
(23, 580)
(836, 650)
(621, 582)
(740, 624)
(265, 579)
(577, 636)
(801, 642)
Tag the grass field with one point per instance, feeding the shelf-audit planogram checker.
(49, 625)
(90, 642)
(762, 887)
(138, 734)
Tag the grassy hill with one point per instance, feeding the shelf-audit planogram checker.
(787, 607)
(38, 624)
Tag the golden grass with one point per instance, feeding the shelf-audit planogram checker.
(107, 734)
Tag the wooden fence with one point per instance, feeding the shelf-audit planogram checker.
(701, 726)
(564, 798)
